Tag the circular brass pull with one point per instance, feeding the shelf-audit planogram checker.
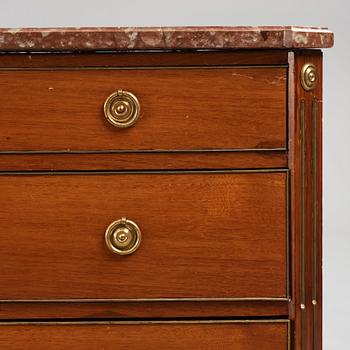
(123, 237)
(122, 109)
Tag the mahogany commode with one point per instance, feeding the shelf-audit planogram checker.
(161, 188)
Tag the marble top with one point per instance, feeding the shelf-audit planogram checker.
(168, 38)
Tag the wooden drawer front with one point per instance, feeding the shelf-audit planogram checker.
(204, 235)
(146, 336)
(182, 109)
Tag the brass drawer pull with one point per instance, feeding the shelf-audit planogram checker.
(123, 237)
(122, 109)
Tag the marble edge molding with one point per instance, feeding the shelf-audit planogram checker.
(158, 38)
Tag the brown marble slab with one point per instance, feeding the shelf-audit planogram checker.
(170, 38)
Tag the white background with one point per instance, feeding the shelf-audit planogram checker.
(334, 14)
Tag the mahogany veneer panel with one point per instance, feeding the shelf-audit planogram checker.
(305, 158)
(205, 235)
(198, 108)
(144, 59)
(146, 336)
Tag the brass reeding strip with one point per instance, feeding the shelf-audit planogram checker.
(302, 231)
(314, 226)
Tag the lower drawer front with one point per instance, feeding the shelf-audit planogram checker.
(238, 335)
(204, 235)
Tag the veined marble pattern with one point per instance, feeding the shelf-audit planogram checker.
(172, 38)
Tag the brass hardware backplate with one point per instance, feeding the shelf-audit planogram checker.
(123, 237)
(122, 109)
(308, 76)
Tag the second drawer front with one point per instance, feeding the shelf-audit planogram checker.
(204, 235)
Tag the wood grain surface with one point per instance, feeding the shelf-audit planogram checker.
(143, 336)
(305, 162)
(144, 59)
(205, 235)
(192, 108)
